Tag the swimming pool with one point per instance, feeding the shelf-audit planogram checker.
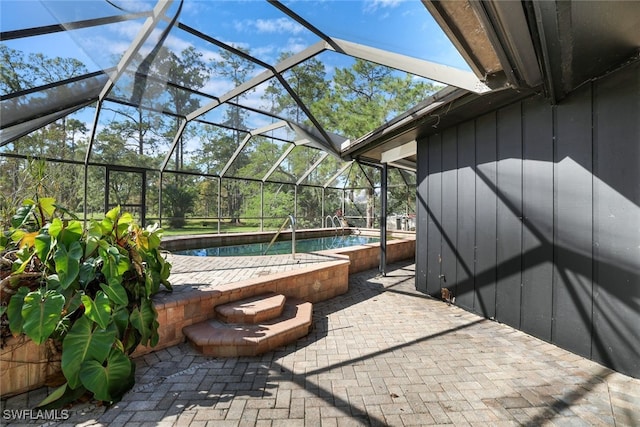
(283, 247)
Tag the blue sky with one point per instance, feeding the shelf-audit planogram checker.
(400, 26)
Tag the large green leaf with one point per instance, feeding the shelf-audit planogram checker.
(42, 246)
(48, 205)
(66, 233)
(53, 281)
(114, 264)
(68, 263)
(74, 301)
(110, 219)
(14, 311)
(153, 236)
(157, 272)
(61, 397)
(106, 380)
(125, 220)
(23, 214)
(94, 234)
(98, 310)
(83, 342)
(116, 293)
(41, 313)
(144, 320)
(56, 227)
(87, 272)
(24, 256)
(121, 319)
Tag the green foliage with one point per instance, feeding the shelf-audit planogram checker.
(89, 290)
(179, 200)
(350, 101)
(277, 205)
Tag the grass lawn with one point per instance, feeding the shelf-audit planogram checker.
(212, 228)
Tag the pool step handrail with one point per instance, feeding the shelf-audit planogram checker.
(326, 223)
(339, 221)
(290, 219)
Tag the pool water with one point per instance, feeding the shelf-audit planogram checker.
(284, 247)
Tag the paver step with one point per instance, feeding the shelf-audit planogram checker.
(252, 310)
(219, 339)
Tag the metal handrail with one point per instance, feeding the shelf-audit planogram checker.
(336, 217)
(290, 219)
(326, 223)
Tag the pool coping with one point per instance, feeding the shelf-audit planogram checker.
(198, 241)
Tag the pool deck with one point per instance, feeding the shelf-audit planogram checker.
(209, 272)
(382, 354)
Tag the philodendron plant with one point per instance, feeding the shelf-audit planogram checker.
(86, 289)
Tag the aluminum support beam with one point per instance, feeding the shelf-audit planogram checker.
(147, 28)
(290, 62)
(174, 144)
(337, 174)
(430, 70)
(312, 168)
(277, 163)
(246, 139)
(383, 220)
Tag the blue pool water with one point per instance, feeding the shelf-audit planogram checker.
(303, 245)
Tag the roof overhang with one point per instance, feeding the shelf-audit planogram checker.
(538, 46)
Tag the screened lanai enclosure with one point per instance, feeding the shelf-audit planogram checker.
(512, 125)
(209, 115)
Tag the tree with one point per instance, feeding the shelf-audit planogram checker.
(308, 81)
(235, 70)
(15, 71)
(277, 205)
(364, 97)
(179, 201)
(188, 70)
(59, 140)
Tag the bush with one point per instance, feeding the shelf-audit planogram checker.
(86, 289)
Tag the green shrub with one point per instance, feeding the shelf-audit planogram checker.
(86, 289)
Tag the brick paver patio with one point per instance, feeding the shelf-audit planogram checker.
(383, 354)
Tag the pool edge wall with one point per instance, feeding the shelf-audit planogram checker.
(198, 241)
(315, 283)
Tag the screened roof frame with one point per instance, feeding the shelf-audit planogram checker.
(322, 138)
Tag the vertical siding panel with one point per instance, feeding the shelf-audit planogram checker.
(422, 217)
(617, 221)
(486, 215)
(538, 218)
(434, 209)
(509, 215)
(572, 292)
(466, 215)
(450, 209)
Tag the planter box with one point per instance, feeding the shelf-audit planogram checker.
(24, 364)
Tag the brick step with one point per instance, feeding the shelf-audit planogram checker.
(216, 338)
(252, 310)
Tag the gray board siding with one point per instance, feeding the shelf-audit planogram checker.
(530, 215)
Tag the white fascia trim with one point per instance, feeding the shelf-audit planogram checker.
(398, 153)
